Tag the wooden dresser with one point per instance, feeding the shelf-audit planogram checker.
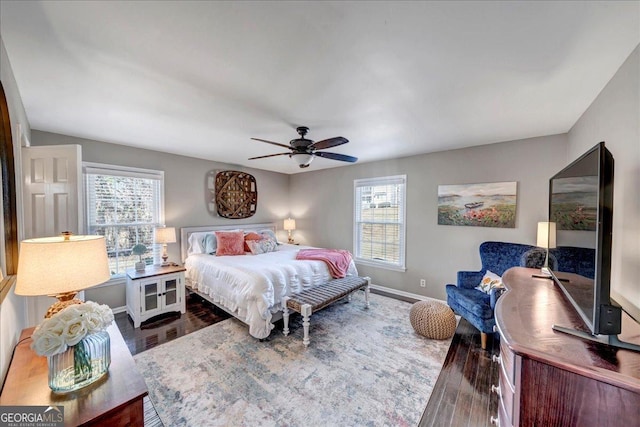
(114, 400)
(548, 378)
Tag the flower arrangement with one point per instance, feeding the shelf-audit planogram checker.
(69, 326)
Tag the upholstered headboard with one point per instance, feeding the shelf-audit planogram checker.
(185, 232)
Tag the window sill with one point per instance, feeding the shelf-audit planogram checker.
(383, 265)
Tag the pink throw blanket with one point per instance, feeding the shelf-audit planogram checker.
(337, 260)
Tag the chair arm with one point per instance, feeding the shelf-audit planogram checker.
(494, 295)
(469, 279)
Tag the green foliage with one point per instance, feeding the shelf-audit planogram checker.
(139, 249)
(503, 216)
(574, 216)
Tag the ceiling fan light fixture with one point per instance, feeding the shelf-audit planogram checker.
(302, 159)
(305, 149)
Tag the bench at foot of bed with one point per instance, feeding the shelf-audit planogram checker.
(314, 299)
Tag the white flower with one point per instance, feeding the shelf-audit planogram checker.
(74, 330)
(69, 326)
(47, 342)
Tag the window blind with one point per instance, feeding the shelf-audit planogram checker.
(124, 205)
(379, 225)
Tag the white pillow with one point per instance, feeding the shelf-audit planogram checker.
(197, 243)
(490, 281)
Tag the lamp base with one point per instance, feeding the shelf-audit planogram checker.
(165, 263)
(64, 300)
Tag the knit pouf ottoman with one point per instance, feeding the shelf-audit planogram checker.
(433, 319)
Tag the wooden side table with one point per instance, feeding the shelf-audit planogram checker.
(114, 400)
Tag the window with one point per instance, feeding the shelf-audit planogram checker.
(124, 205)
(379, 229)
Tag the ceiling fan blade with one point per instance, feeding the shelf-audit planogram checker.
(269, 155)
(271, 142)
(328, 143)
(336, 156)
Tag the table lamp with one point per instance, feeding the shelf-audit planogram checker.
(165, 235)
(290, 224)
(61, 267)
(547, 240)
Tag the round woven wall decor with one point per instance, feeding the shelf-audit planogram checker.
(236, 194)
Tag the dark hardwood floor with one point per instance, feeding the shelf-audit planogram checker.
(169, 326)
(461, 395)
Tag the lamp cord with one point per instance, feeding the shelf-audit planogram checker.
(13, 352)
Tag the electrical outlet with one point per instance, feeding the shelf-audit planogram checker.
(423, 283)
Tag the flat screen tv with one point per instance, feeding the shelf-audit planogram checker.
(581, 205)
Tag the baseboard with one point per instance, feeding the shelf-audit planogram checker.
(403, 294)
(119, 309)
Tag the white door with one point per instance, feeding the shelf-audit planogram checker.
(52, 194)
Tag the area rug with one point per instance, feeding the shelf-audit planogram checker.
(364, 367)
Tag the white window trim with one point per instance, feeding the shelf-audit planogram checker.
(381, 264)
(107, 169)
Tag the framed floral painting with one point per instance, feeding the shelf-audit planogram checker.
(480, 205)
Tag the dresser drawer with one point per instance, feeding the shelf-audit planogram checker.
(507, 362)
(503, 419)
(507, 394)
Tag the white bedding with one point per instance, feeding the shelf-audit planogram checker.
(252, 286)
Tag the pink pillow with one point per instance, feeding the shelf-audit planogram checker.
(230, 243)
(248, 237)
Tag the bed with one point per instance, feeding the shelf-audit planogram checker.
(250, 287)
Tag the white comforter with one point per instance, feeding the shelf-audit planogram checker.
(252, 286)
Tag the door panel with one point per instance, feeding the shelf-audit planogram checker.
(52, 195)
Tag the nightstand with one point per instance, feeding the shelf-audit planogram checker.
(154, 291)
(114, 400)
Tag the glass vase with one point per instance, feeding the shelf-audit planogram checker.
(81, 364)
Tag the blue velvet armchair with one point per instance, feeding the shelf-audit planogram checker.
(474, 305)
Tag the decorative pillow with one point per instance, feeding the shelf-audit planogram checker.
(250, 236)
(268, 233)
(262, 246)
(210, 243)
(197, 242)
(230, 243)
(490, 281)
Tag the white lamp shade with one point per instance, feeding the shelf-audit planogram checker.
(56, 265)
(546, 235)
(165, 235)
(289, 224)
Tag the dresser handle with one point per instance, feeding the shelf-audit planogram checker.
(496, 359)
(494, 420)
(496, 389)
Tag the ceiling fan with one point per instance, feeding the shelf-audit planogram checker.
(304, 150)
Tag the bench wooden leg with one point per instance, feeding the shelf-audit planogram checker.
(285, 315)
(306, 314)
(366, 291)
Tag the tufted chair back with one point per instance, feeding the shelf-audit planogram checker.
(501, 256)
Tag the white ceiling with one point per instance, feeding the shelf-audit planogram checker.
(395, 78)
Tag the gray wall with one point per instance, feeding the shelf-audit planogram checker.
(184, 191)
(614, 117)
(322, 204)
